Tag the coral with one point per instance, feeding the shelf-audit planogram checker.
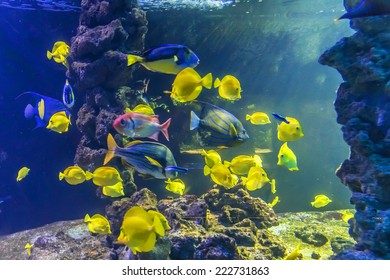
(362, 107)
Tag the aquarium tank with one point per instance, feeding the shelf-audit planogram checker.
(194, 129)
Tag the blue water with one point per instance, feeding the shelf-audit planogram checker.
(272, 47)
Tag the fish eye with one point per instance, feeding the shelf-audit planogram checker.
(297, 128)
(122, 122)
(281, 155)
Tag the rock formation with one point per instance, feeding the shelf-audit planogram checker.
(363, 109)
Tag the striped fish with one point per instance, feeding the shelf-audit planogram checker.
(217, 127)
(151, 159)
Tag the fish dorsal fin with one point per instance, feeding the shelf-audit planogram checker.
(232, 130)
(132, 143)
(153, 161)
(137, 211)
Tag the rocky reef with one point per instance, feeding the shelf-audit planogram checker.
(98, 70)
(363, 109)
(201, 228)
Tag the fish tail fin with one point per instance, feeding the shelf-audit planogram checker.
(61, 176)
(203, 153)
(194, 121)
(88, 175)
(176, 169)
(111, 146)
(247, 117)
(29, 111)
(158, 227)
(49, 54)
(87, 218)
(217, 82)
(132, 59)
(258, 161)
(207, 81)
(226, 163)
(206, 170)
(244, 180)
(164, 128)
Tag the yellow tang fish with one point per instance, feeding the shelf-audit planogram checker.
(229, 88)
(106, 176)
(113, 191)
(258, 118)
(291, 131)
(256, 179)
(221, 175)
(139, 229)
(22, 173)
(320, 200)
(275, 201)
(98, 224)
(273, 186)
(211, 157)
(176, 186)
(287, 158)
(294, 254)
(163, 220)
(241, 164)
(59, 122)
(142, 109)
(188, 84)
(347, 216)
(28, 246)
(74, 175)
(59, 53)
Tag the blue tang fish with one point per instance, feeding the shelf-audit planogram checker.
(68, 95)
(152, 159)
(168, 59)
(217, 127)
(368, 8)
(44, 109)
(280, 118)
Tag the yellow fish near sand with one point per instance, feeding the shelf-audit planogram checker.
(287, 158)
(98, 224)
(294, 254)
(74, 175)
(140, 229)
(22, 173)
(188, 84)
(347, 216)
(176, 186)
(258, 118)
(142, 109)
(59, 53)
(228, 88)
(291, 131)
(28, 247)
(275, 201)
(106, 176)
(320, 200)
(257, 178)
(59, 122)
(113, 191)
(163, 220)
(221, 175)
(241, 164)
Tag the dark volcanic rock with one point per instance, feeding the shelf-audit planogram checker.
(218, 247)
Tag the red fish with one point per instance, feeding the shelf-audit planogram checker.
(137, 125)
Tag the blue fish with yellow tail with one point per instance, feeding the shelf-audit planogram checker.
(168, 59)
(44, 109)
(280, 118)
(151, 159)
(368, 8)
(217, 127)
(68, 95)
